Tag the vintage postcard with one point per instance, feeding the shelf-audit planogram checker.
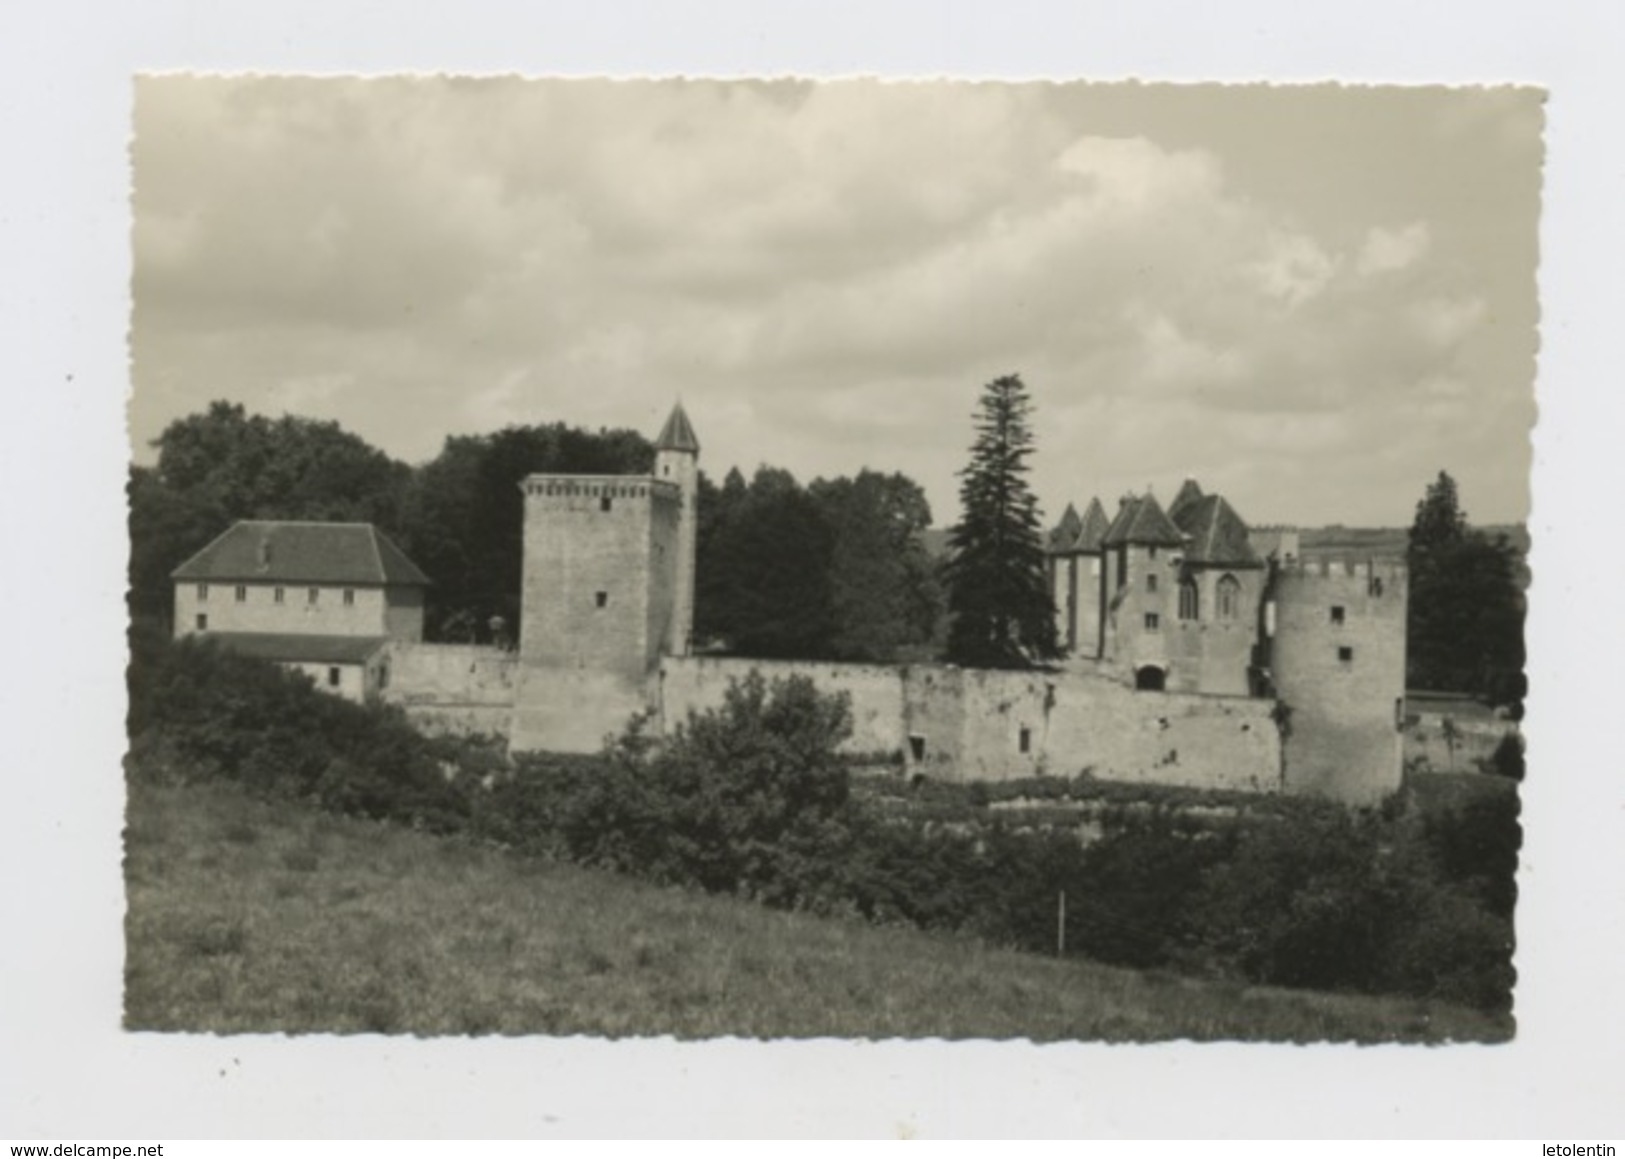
(828, 559)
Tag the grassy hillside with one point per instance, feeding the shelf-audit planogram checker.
(249, 916)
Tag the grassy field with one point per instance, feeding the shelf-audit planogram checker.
(247, 916)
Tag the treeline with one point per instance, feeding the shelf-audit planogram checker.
(753, 800)
(834, 569)
(1466, 611)
(458, 516)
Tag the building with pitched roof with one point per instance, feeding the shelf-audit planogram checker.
(323, 598)
(1194, 602)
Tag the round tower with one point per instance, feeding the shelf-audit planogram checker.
(677, 455)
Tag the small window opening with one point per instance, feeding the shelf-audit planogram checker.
(349, 597)
(279, 594)
(1345, 655)
(1024, 741)
(1151, 552)
(606, 503)
(916, 746)
(242, 594)
(1337, 614)
(383, 676)
(312, 594)
(202, 622)
(1153, 622)
(1375, 587)
(333, 675)
(202, 593)
(601, 599)
(1151, 582)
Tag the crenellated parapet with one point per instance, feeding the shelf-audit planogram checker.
(599, 487)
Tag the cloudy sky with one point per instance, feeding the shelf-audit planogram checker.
(1311, 299)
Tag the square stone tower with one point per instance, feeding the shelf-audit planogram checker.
(608, 588)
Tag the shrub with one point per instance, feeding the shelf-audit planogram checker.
(736, 783)
(1507, 759)
(1475, 844)
(199, 712)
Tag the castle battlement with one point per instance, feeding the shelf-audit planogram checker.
(600, 486)
(1343, 567)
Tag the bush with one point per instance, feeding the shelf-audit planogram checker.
(753, 799)
(1474, 845)
(1507, 759)
(199, 713)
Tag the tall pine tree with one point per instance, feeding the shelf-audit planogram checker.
(1003, 615)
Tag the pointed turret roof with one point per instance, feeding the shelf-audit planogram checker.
(1141, 520)
(678, 433)
(1075, 533)
(1065, 533)
(1189, 492)
(1095, 524)
(1217, 534)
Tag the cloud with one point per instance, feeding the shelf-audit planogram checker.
(826, 272)
(1388, 251)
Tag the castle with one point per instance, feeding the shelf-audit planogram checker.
(1198, 652)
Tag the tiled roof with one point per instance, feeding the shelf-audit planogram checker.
(1065, 533)
(678, 433)
(1075, 533)
(1140, 520)
(1217, 534)
(1094, 527)
(1189, 492)
(294, 648)
(291, 552)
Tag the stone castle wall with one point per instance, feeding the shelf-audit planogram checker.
(957, 724)
(698, 683)
(452, 688)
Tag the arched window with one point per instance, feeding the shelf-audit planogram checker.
(1149, 678)
(1189, 602)
(1229, 597)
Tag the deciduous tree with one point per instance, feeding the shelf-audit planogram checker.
(1465, 627)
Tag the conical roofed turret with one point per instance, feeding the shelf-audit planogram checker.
(678, 433)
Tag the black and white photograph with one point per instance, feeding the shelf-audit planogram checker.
(914, 570)
(828, 558)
